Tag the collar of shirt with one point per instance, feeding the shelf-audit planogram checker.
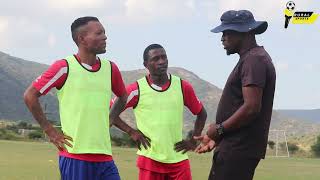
(159, 88)
(245, 51)
(87, 66)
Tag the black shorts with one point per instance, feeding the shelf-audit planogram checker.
(228, 166)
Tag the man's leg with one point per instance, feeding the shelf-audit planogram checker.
(150, 175)
(73, 169)
(227, 166)
(108, 171)
(183, 173)
(214, 167)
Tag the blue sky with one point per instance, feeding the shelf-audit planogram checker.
(39, 30)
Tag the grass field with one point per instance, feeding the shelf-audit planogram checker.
(38, 161)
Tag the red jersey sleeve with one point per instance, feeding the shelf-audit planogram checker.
(118, 87)
(190, 98)
(133, 96)
(53, 77)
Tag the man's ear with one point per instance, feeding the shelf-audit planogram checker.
(80, 39)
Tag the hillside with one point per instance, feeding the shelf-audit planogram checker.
(313, 115)
(16, 74)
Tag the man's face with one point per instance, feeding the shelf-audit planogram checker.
(231, 41)
(157, 62)
(94, 37)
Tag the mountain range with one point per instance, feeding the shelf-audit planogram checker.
(16, 75)
(312, 115)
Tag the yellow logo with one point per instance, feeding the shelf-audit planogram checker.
(298, 17)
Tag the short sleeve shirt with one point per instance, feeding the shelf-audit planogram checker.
(255, 68)
(55, 77)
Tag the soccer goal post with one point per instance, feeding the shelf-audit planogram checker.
(277, 144)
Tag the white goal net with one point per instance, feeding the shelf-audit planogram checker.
(277, 144)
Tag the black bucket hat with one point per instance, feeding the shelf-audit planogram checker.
(240, 21)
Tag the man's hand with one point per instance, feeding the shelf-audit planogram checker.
(206, 144)
(58, 139)
(31, 98)
(212, 132)
(140, 139)
(185, 145)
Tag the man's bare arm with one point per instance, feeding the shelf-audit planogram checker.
(31, 99)
(190, 144)
(136, 135)
(252, 96)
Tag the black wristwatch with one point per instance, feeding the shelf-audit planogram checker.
(220, 129)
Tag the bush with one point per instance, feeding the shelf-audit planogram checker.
(13, 128)
(8, 135)
(35, 135)
(24, 125)
(316, 147)
(293, 148)
(271, 144)
(124, 140)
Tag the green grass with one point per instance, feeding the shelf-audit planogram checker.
(38, 161)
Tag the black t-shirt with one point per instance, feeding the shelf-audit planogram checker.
(254, 68)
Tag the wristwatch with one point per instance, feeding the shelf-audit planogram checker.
(220, 129)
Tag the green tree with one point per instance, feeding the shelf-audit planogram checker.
(316, 147)
(14, 128)
(22, 125)
(123, 140)
(271, 144)
(9, 135)
(292, 148)
(35, 135)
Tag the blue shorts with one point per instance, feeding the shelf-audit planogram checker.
(73, 169)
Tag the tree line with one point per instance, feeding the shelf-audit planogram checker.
(23, 131)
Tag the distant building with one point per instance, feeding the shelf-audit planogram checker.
(25, 132)
(2, 125)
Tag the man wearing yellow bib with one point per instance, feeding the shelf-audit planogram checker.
(158, 102)
(84, 84)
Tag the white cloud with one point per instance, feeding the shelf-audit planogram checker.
(190, 4)
(262, 10)
(147, 10)
(28, 25)
(20, 32)
(308, 67)
(52, 40)
(4, 26)
(72, 4)
(281, 66)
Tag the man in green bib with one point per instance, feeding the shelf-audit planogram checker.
(84, 84)
(158, 102)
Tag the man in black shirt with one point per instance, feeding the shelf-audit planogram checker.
(244, 111)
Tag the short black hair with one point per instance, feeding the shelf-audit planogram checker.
(78, 23)
(150, 47)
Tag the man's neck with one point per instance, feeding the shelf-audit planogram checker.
(87, 58)
(159, 80)
(248, 44)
